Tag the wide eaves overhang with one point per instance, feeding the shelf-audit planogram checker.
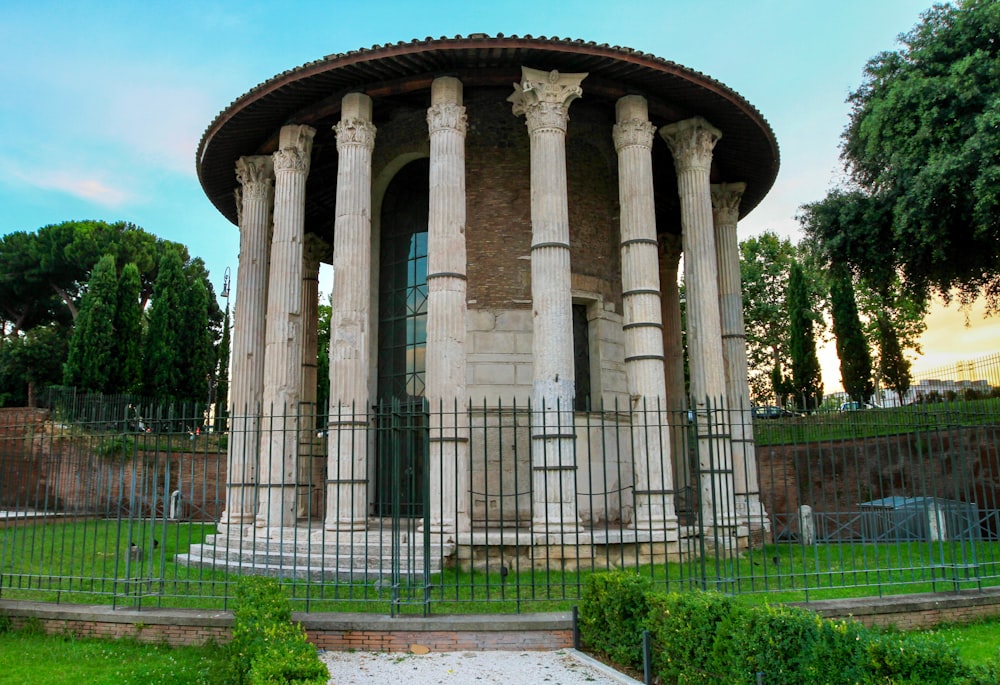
(311, 93)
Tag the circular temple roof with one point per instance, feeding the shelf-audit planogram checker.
(401, 73)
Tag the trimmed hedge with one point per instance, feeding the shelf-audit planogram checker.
(706, 637)
(267, 647)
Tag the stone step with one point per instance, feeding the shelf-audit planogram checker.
(286, 569)
(371, 558)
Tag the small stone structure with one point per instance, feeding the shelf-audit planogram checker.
(495, 244)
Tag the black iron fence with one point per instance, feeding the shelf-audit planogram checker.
(492, 507)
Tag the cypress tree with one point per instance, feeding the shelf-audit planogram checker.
(806, 379)
(852, 347)
(88, 365)
(163, 366)
(222, 375)
(198, 363)
(894, 367)
(127, 362)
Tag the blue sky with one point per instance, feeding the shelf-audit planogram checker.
(102, 104)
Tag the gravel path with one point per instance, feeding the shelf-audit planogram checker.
(564, 667)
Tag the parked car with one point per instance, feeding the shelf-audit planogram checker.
(770, 411)
(856, 406)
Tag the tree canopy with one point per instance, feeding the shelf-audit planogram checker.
(923, 143)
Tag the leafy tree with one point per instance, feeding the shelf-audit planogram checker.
(923, 142)
(29, 361)
(852, 347)
(43, 275)
(126, 370)
(25, 301)
(325, 312)
(91, 346)
(765, 264)
(806, 380)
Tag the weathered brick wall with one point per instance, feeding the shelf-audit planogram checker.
(48, 467)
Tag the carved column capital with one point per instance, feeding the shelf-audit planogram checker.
(447, 116)
(355, 131)
(296, 146)
(691, 142)
(256, 176)
(544, 98)
(633, 133)
(726, 202)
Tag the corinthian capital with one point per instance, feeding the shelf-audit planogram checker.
(726, 202)
(446, 117)
(255, 175)
(294, 148)
(691, 141)
(544, 97)
(355, 131)
(633, 133)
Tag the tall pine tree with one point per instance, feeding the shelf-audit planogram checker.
(806, 377)
(88, 365)
(852, 347)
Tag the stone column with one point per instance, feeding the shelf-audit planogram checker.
(673, 366)
(725, 206)
(544, 99)
(283, 346)
(446, 305)
(642, 324)
(310, 450)
(347, 478)
(691, 141)
(256, 200)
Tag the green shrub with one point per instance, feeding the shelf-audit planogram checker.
(613, 611)
(776, 641)
(683, 629)
(267, 647)
(288, 659)
(912, 659)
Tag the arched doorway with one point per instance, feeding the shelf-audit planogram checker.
(402, 342)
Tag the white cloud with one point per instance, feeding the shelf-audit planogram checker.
(83, 185)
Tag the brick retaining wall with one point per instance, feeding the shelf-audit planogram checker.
(542, 632)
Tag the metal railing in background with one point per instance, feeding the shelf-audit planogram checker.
(120, 502)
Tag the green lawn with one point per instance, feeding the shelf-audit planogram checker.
(28, 657)
(871, 423)
(977, 642)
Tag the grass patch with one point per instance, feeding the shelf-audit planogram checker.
(28, 657)
(977, 643)
(873, 423)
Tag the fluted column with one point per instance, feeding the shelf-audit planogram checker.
(283, 346)
(654, 496)
(446, 305)
(310, 453)
(347, 478)
(544, 99)
(256, 204)
(673, 364)
(692, 141)
(725, 205)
